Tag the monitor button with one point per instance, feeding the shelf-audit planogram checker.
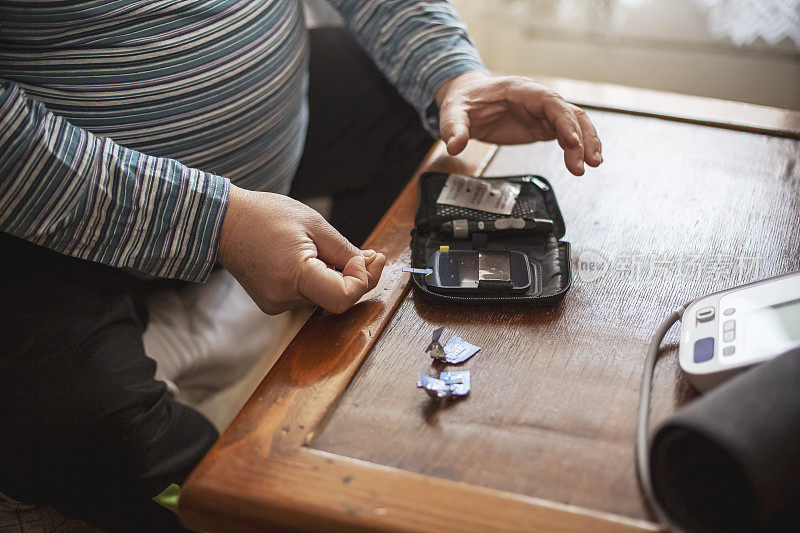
(729, 336)
(704, 350)
(729, 325)
(705, 314)
(729, 350)
(729, 311)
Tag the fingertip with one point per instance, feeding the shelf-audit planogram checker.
(356, 267)
(575, 166)
(374, 270)
(376, 265)
(369, 256)
(456, 145)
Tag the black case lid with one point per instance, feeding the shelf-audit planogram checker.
(536, 193)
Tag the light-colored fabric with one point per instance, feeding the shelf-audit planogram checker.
(745, 21)
(206, 337)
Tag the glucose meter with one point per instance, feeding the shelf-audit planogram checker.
(728, 331)
(459, 272)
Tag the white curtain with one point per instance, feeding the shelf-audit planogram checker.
(741, 21)
(744, 21)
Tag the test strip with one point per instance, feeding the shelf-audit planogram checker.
(425, 271)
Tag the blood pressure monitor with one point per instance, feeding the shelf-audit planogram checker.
(726, 332)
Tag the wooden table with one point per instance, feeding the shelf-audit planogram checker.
(694, 196)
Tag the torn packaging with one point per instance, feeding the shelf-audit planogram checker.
(458, 381)
(456, 351)
(435, 348)
(449, 384)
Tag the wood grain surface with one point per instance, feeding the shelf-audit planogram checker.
(337, 437)
(262, 474)
(676, 211)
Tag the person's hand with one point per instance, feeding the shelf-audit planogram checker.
(514, 110)
(282, 252)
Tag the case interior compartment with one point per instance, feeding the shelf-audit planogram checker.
(548, 255)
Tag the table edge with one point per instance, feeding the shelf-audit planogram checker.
(676, 107)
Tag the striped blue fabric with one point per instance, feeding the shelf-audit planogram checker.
(121, 122)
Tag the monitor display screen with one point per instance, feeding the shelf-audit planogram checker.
(773, 329)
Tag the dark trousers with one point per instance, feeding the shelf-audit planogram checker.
(84, 426)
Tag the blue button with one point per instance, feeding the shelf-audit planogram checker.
(704, 350)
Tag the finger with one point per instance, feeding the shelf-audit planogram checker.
(374, 269)
(568, 131)
(454, 127)
(333, 290)
(592, 148)
(332, 247)
(369, 257)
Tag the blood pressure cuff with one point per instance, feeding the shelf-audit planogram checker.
(730, 460)
(468, 227)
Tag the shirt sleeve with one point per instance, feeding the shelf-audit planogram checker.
(417, 45)
(85, 196)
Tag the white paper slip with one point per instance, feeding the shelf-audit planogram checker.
(457, 350)
(494, 196)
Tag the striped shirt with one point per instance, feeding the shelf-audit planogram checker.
(122, 122)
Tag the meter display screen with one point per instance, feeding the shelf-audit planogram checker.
(458, 269)
(773, 329)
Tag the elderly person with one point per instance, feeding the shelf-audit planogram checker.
(144, 142)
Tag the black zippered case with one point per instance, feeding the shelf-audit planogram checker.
(548, 255)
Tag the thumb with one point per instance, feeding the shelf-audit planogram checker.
(332, 247)
(333, 290)
(454, 127)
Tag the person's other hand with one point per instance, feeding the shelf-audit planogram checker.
(283, 253)
(514, 110)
